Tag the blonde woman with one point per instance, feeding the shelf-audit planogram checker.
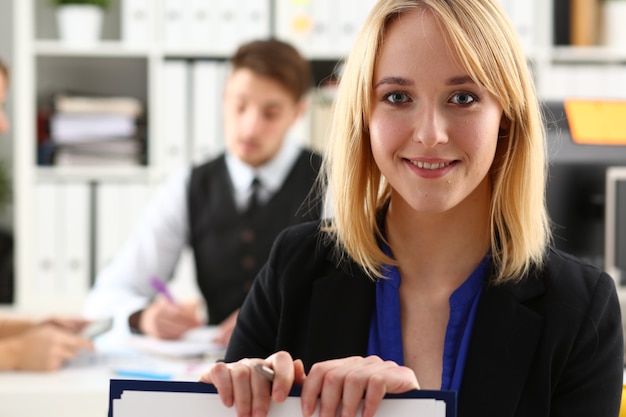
(436, 271)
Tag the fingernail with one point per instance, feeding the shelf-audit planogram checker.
(279, 395)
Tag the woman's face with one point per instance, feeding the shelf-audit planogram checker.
(433, 130)
(4, 122)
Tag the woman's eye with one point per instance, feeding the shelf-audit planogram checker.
(396, 98)
(463, 98)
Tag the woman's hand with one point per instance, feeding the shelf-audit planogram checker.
(74, 325)
(345, 382)
(239, 384)
(47, 347)
(334, 383)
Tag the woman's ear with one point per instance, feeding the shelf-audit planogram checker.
(505, 125)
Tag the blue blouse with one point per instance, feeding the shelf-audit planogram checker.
(385, 339)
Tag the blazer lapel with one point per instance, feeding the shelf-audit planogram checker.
(504, 340)
(341, 313)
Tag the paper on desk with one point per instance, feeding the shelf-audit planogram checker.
(163, 403)
(167, 404)
(196, 342)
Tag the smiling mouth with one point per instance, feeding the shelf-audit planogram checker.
(429, 165)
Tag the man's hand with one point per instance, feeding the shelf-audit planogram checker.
(164, 320)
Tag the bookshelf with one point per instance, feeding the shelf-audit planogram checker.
(142, 58)
(70, 219)
(583, 62)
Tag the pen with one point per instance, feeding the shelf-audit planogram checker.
(266, 371)
(161, 288)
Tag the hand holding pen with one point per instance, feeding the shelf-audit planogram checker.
(271, 380)
(162, 289)
(167, 318)
(332, 385)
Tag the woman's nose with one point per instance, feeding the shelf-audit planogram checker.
(430, 126)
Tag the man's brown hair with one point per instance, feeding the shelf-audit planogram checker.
(277, 60)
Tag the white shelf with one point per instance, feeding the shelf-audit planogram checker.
(586, 55)
(101, 49)
(194, 53)
(93, 173)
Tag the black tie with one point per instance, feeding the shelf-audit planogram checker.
(253, 202)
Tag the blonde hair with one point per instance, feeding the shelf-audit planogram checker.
(487, 45)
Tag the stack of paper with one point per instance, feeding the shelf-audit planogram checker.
(106, 152)
(82, 104)
(130, 398)
(196, 342)
(72, 128)
(94, 130)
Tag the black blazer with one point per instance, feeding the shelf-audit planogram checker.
(550, 345)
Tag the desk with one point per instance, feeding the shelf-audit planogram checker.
(69, 392)
(81, 389)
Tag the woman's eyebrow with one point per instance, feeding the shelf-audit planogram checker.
(461, 79)
(394, 81)
(457, 80)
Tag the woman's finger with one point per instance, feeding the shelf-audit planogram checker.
(219, 375)
(283, 365)
(261, 388)
(324, 376)
(240, 373)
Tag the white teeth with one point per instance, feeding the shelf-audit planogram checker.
(428, 165)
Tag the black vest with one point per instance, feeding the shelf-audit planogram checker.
(229, 247)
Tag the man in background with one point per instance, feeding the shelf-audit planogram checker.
(229, 210)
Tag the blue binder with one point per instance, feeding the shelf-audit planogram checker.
(118, 386)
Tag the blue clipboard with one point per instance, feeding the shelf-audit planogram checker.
(118, 386)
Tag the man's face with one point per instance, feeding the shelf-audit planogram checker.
(258, 112)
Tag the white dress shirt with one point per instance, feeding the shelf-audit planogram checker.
(156, 243)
